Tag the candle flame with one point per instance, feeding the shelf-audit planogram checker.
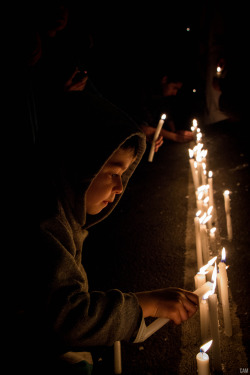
(202, 218)
(212, 230)
(211, 261)
(191, 153)
(201, 188)
(200, 195)
(206, 200)
(195, 123)
(207, 294)
(209, 210)
(163, 116)
(198, 213)
(199, 136)
(204, 165)
(214, 277)
(226, 192)
(206, 219)
(210, 174)
(218, 69)
(204, 348)
(203, 269)
(223, 254)
(204, 153)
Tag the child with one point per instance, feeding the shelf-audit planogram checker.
(87, 155)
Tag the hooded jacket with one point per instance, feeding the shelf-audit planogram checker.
(75, 142)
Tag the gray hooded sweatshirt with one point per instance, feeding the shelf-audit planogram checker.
(61, 313)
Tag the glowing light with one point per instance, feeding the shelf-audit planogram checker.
(163, 116)
(210, 174)
(204, 348)
(191, 153)
(212, 230)
(223, 254)
(210, 209)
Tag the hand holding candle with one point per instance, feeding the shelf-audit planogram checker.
(156, 135)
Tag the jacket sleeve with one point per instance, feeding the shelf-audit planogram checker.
(76, 317)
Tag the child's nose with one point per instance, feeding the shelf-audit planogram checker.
(118, 188)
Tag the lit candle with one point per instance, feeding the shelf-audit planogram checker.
(156, 135)
(228, 216)
(199, 168)
(202, 359)
(117, 358)
(193, 169)
(204, 174)
(210, 269)
(210, 183)
(204, 239)
(218, 71)
(224, 295)
(214, 324)
(198, 241)
(199, 201)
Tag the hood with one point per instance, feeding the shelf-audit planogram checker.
(77, 138)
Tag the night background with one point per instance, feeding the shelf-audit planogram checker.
(149, 241)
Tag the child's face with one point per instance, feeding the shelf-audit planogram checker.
(108, 182)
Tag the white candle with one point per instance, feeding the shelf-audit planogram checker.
(214, 329)
(228, 215)
(211, 190)
(193, 169)
(204, 242)
(199, 201)
(117, 358)
(224, 297)
(204, 320)
(198, 242)
(202, 360)
(199, 280)
(204, 174)
(156, 135)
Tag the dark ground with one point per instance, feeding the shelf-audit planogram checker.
(147, 241)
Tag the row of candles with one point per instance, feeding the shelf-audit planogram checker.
(207, 277)
(207, 268)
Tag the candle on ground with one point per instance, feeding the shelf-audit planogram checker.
(202, 359)
(193, 169)
(211, 191)
(117, 358)
(198, 241)
(156, 135)
(214, 329)
(204, 240)
(210, 269)
(204, 319)
(224, 295)
(228, 215)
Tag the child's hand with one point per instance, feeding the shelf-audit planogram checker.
(172, 303)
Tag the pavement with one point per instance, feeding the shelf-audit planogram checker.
(148, 242)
